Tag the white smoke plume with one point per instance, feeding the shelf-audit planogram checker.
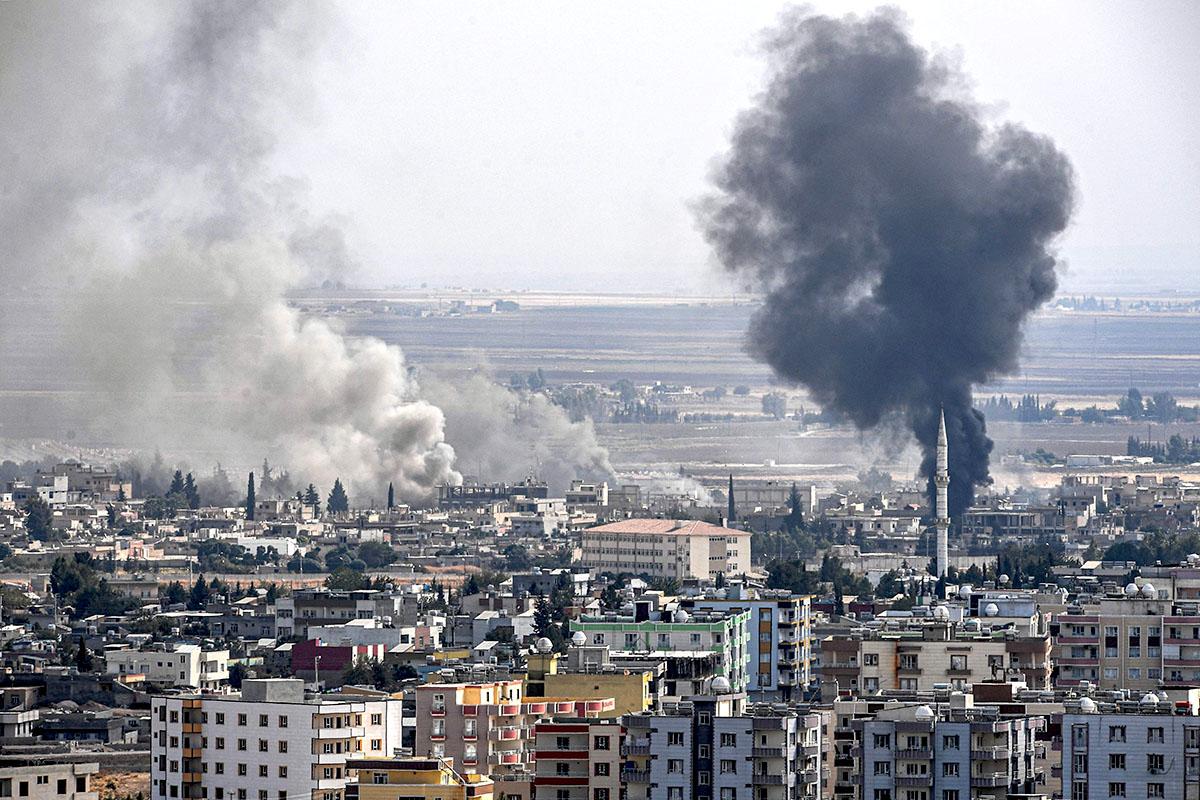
(150, 247)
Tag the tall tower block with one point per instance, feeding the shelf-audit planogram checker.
(941, 509)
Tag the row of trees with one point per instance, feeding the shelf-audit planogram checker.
(1176, 450)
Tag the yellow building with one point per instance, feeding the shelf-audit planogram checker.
(426, 778)
(630, 690)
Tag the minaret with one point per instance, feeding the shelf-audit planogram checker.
(941, 506)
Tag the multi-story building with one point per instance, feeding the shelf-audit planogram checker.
(951, 752)
(1130, 750)
(270, 743)
(780, 642)
(1135, 640)
(718, 639)
(667, 548)
(588, 675)
(577, 759)
(295, 613)
(715, 747)
(920, 655)
(489, 727)
(48, 781)
(413, 778)
(172, 665)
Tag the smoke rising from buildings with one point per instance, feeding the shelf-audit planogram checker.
(153, 244)
(902, 240)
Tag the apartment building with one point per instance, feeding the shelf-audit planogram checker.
(1130, 750)
(294, 614)
(951, 752)
(719, 640)
(186, 665)
(490, 727)
(666, 548)
(49, 781)
(577, 759)
(716, 747)
(1135, 640)
(923, 654)
(780, 641)
(271, 742)
(588, 674)
(413, 778)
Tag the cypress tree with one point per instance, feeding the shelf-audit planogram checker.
(250, 497)
(731, 512)
(338, 502)
(391, 501)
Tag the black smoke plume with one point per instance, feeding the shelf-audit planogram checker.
(901, 239)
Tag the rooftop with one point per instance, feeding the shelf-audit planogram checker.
(681, 527)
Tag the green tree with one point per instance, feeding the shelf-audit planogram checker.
(376, 554)
(199, 595)
(191, 492)
(38, 520)
(312, 498)
(344, 579)
(176, 483)
(83, 658)
(237, 674)
(391, 497)
(610, 597)
(250, 497)
(338, 502)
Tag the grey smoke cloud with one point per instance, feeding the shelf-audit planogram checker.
(901, 238)
(141, 214)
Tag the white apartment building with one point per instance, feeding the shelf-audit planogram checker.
(269, 743)
(178, 665)
(667, 548)
(1141, 750)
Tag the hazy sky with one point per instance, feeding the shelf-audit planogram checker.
(560, 145)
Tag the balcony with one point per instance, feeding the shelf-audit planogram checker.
(508, 709)
(768, 752)
(990, 753)
(635, 776)
(920, 753)
(915, 780)
(349, 732)
(635, 749)
(991, 781)
(508, 757)
(766, 779)
(508, 733)
(811, 749)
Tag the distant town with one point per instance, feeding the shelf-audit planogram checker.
(504, 641)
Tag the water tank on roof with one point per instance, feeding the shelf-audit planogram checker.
(544, 645)
(1148, 591)
(721, 685)
(579, 638)
(964, 591)
(681, 616)
(1149, 700)
(1004, 580)
(1131, 590)
(991, 610)
(1087, 706)
(924, 714)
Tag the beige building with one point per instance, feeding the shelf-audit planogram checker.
(926, 653)
(49, 782)
(667, 548)
(416, 779)
(577, 759)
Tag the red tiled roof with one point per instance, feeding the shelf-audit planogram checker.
(682, 527)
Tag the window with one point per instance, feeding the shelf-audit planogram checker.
(601, 769)
(241, 719)
(883, 794)
(264, 771)
(950, 769)
(882, 768)
(282, 771)
(870, 659)
(562, 768)
(958, 663)
(600, 794)
(728, 740)
(262, 720)
(674, 738)
(263, 746)
(220, 765)
(377, 719)
(1156, 790)
(1116, 789)
(674, 765)
(241, 769)
(377, 745)
(1116, 761)
(704, 751)
(1155, 763)
(950, 742)
(728, 794)
(949, 794)
(282, 746)
(283, 720)
(883, 741)
(62, 786)
(562, 742)
(1154, 736)
(1116, 733)
(563, 794)
(601, 743)
(220, 717)
(241, 744)
(728, 766)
